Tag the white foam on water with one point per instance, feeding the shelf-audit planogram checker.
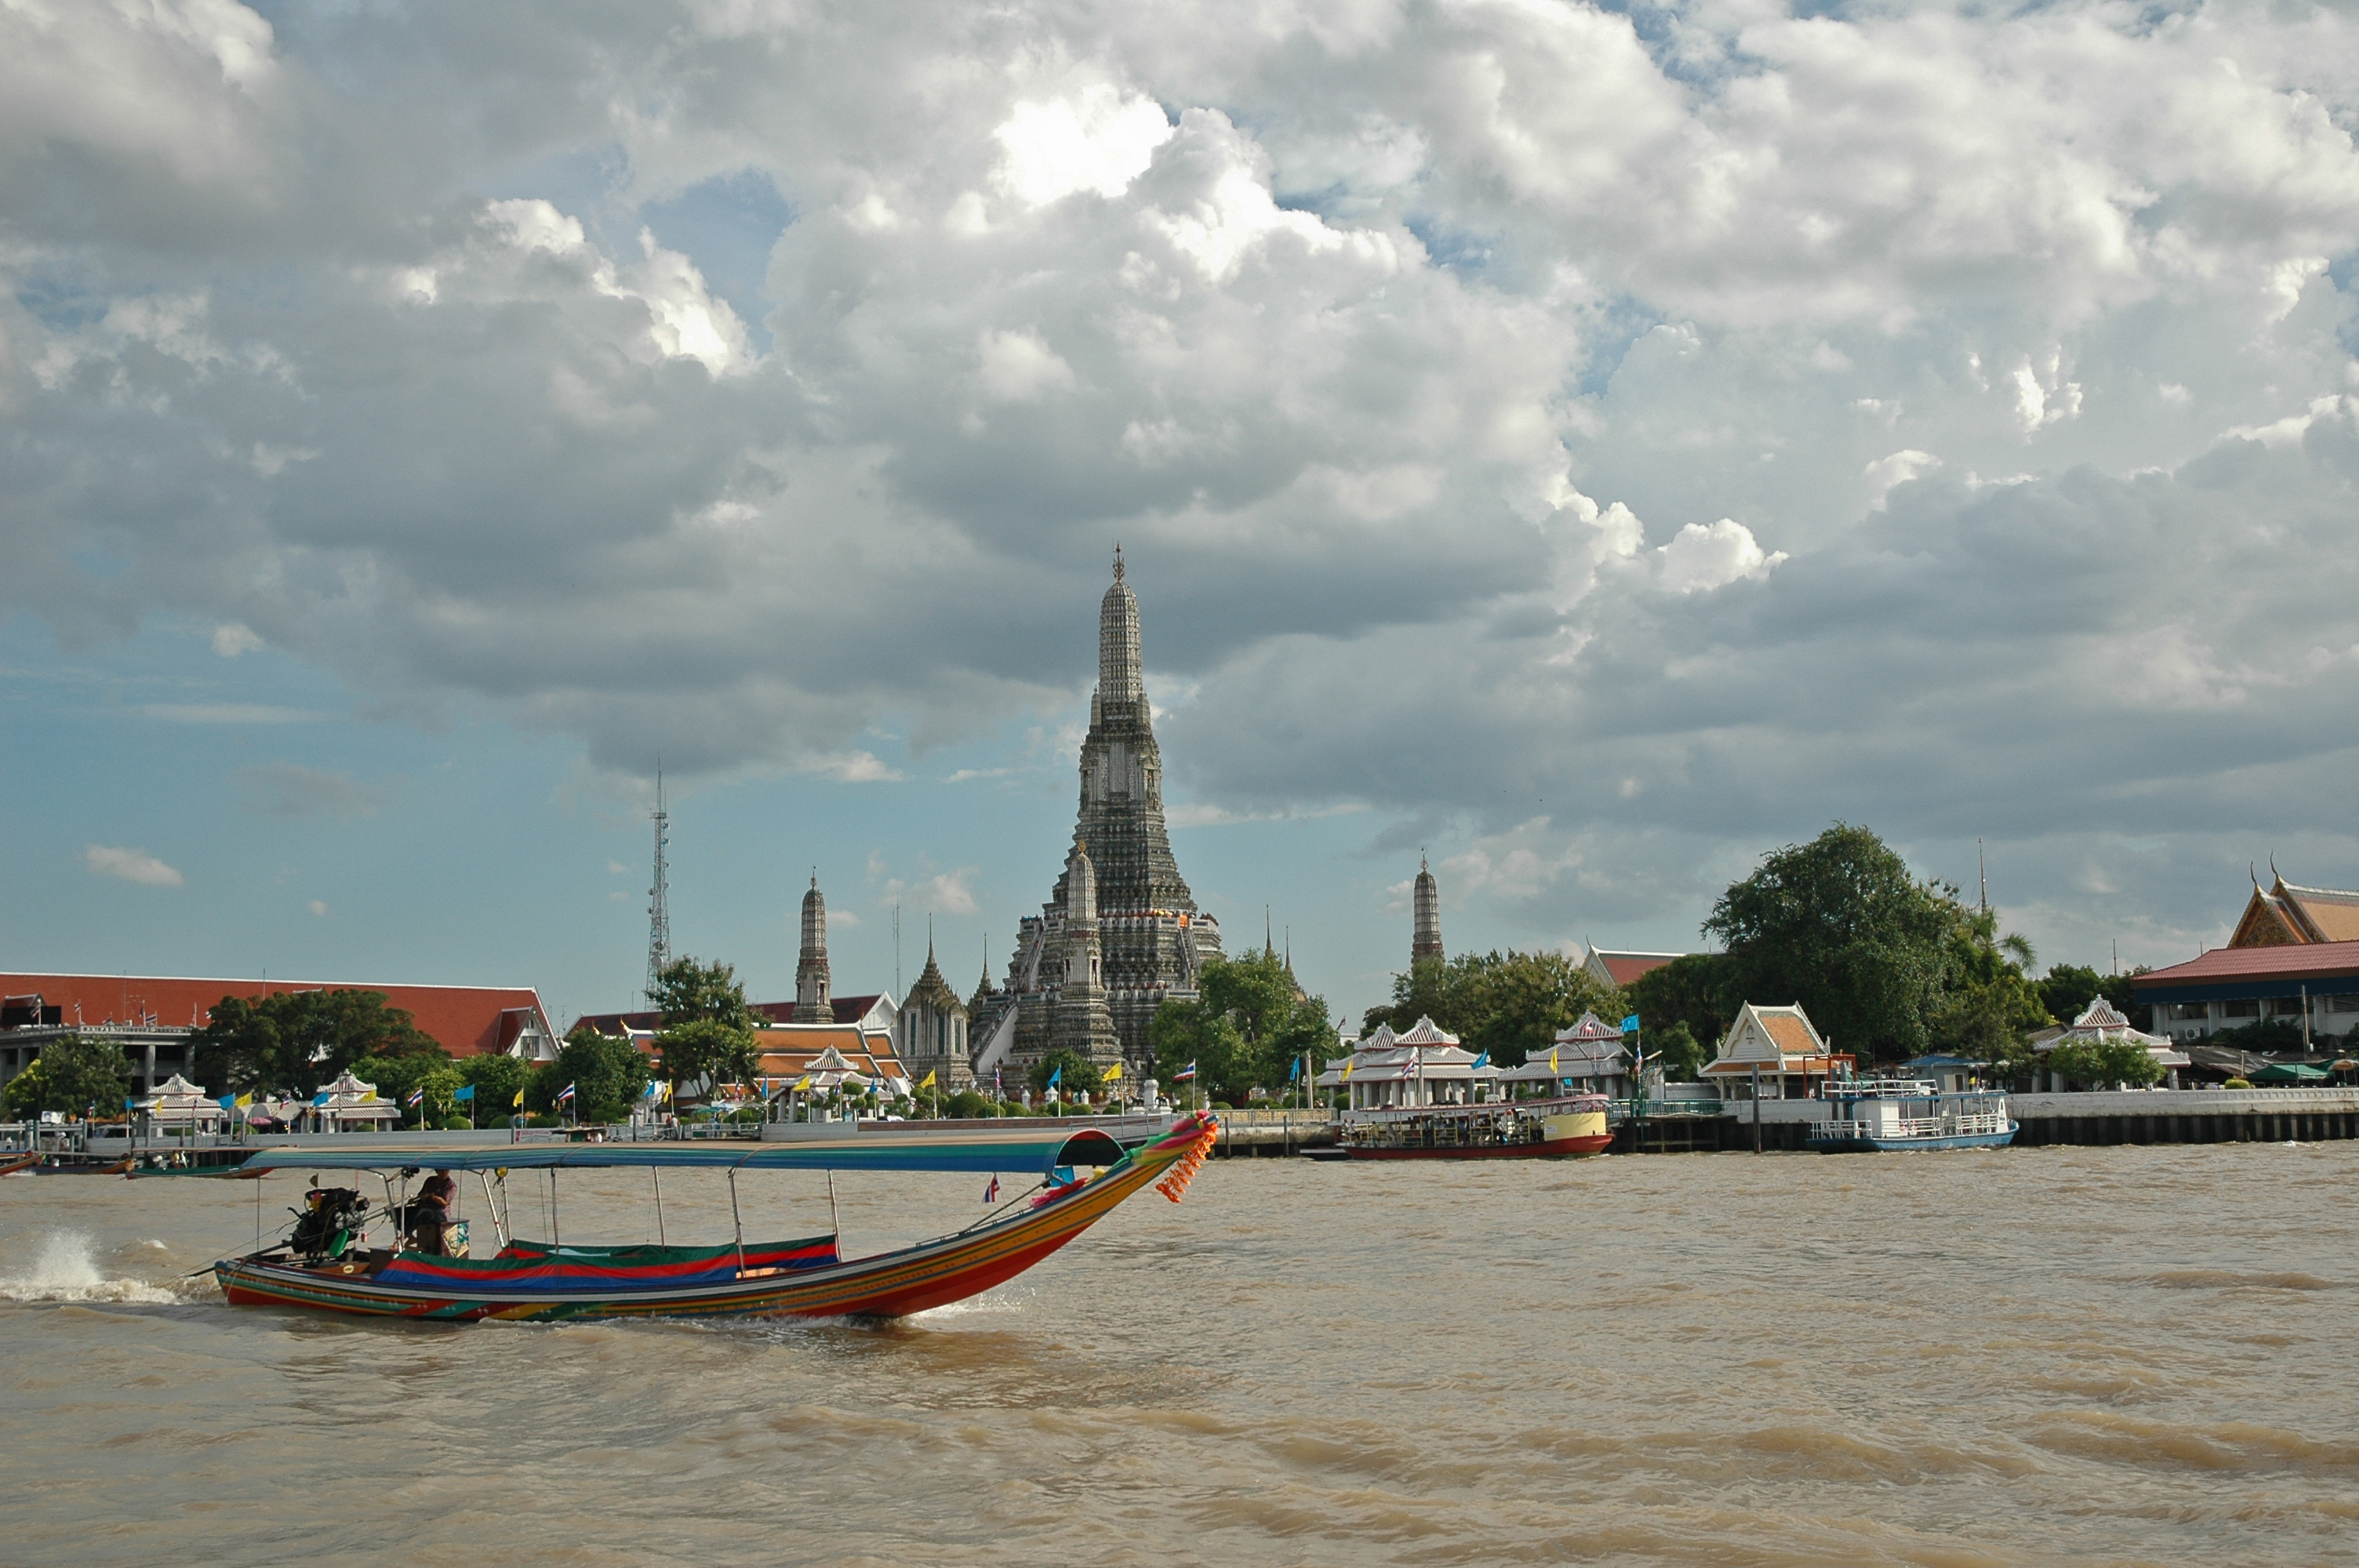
(67, 1271)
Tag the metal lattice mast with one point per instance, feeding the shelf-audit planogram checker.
(659, 900)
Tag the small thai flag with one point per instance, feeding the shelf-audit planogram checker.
(565, 1093)
(1184, 1074)
(415, 1096)
(990, 1192)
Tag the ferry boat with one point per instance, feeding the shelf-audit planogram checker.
(326, 1264)
(1870, 1114)
(1564, 1127)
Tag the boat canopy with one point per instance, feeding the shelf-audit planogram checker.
(1042, 1150)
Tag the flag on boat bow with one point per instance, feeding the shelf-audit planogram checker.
(990, 1192)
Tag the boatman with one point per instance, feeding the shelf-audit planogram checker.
(430, 1213)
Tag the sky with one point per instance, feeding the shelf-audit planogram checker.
(1593, 445)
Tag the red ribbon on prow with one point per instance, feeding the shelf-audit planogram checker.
(1175, 1186)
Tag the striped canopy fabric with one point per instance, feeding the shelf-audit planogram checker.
(526, 1266)
(1038, 1150)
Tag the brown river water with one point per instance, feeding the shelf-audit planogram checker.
(2099, 1355)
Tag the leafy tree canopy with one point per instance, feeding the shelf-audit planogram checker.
(708, 1049)
(2105, 1063)
(299, 1040)
(1249, 1023)
(397, 1077)
(1693, 991)
(686, 990)
(1838, 925)
(1675, 1048)
(1985, 1006)
(1510, 1004)
(609, 1075)
(72, 1074)
(497, 1081)
(1075, 1077)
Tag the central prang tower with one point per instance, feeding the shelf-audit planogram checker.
(1150, 940)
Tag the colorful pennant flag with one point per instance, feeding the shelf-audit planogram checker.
(928, 1081)
(1630, 1023)
(1294, 1070)
(466, 1092)
(519, 1100)
(1114, 1072)
(1482, 1061)
(1055, 1073)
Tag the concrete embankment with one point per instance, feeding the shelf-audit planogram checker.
(2173, 1116)
(2157, 1116)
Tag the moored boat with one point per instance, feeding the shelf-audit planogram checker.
(1560, 1128)
(326, 1264)
(1891, 1114)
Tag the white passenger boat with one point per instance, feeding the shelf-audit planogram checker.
(1868, 1114)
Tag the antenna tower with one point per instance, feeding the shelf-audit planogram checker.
(658, 896)
(1982, 871)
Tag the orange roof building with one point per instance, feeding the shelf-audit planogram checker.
(2285, 916)
(153, 1016)
(1619, 969)
(467, 1020)
(1782, 1045)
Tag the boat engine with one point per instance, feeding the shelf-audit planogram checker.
(325, 1224)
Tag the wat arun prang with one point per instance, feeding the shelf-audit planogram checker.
(1147, 933)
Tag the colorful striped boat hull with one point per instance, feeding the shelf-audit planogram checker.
(890, 1284)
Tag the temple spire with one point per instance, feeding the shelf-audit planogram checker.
(1118, 641)
(1425, 940)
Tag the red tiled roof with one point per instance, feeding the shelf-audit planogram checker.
(1628, 966)
(468, 1020)
(2226, 965)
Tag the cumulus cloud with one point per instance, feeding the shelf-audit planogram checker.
(130, 866)
(1541, 384)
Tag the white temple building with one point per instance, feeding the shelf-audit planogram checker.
(2103, 1022)
(1419, 1066)
(1587, 1058)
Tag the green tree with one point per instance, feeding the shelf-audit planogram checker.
(1679, 1053)
(299, 1040)
(688, 988)
(1985, 1006)
(608, 1076)
(497, 1080)
(1510, 1004)
(1076, 1076)
(710, 1050)
(1838, 925)
(2104, 1063)
(1250, 1022)
(1692, 990)
(1186, 1032)
(72, 1074)
(397, 1077)
(2067, 990)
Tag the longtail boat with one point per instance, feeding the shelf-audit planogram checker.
(320, 1266)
